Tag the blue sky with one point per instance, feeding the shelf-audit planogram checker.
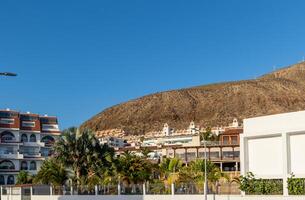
(76, 58)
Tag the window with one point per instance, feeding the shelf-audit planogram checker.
(24, 165)
(6, 164)
(33, 138)
(214, 154)
(8, 114)
(2, 181)
(234, 140)
(48, 120)
(28, 118)
(226, 139)
(33, 165)
(24, 138)
(7, 136)
(48, 140)
(10, 180)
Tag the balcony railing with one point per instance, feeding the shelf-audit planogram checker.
(219, 143)
(8, 154)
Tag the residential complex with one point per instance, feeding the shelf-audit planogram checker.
(188, 145)
(25, 141)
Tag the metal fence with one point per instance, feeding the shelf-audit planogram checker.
(131, 189)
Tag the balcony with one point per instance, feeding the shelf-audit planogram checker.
(50, 128)
(11, 155)
(219, 143)
(34, 144)
(31, 154)
(9, 141)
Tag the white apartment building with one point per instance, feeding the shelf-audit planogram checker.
(272, 147)
(113, 141)
(188, 137)
(25, 141)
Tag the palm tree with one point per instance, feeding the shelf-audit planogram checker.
(52, 173)
(24, 177)
(195, 173)
(133, 169)
(169, 168)
(82, 152)
(145, 152)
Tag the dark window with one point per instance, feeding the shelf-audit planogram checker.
(48, 140)
(7, 136)
(24, 165)
(8, 114)
(6, 164)
(48, 120)
(10, 180)
(24, 138)
(2, 182)
(28, 118)
(33, 165)
(33, 138)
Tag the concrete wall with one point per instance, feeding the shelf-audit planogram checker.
(272, 146)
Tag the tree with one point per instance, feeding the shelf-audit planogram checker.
(194, 172)
(24, 177)
(145, 152)
(169, 168)
(52, 173)
(133, 169)
(81, 151)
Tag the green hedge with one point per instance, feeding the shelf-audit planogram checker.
(296, 186)
(252, 186)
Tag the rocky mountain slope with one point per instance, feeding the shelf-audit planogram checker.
(208, 105)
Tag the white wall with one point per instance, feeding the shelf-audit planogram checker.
(266, 156)
(272, 146)
(164, 197)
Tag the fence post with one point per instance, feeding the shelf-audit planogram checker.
(173, 189)
(144, 190)
(119, 189)
(96, 190)
(31, 191)
(51, 191)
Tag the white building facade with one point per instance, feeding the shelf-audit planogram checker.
(25, 141)
(272, 147)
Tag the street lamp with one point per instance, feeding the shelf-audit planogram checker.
(205, 167)
(7, 74)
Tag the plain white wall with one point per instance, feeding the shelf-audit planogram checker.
(265, 156)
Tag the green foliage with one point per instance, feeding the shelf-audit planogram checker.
(296, 186)
(51, 172)
(133, 169)
(207, 135)
(24, 177)
(251, 185)
(81, 151)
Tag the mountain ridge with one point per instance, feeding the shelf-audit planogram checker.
(208, 105)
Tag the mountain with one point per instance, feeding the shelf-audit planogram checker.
(208, 105)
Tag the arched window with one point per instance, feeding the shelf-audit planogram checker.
(33, 138)
(2, 182)
(24, 138)
(6, 164)
(10, 180)
(24, 165)
(48, 140)
(7, 136)
(33, 165)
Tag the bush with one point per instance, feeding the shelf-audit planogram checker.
(296, 185)
(252, 186)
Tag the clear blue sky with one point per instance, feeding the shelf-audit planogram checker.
(76, 58)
